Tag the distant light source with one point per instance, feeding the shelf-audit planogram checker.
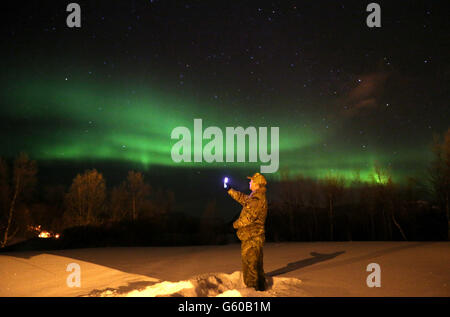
(225, 182)
(43, 233)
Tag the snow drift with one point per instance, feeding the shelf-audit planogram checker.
(214, 285)
(325, 269)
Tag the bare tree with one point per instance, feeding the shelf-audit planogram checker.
(54, 200)
(382, 175)
(163, 200)
(170, 198)
(440, 171)
(119, 203)
(4, 193)
(391, 193)
(334, 187)
(138, 190)
(386, 192)
(23, 181)
(380, 178)
(86, 197)
(368, 199)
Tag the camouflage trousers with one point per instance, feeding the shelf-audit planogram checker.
(252, 263)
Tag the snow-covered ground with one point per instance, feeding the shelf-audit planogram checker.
(293, 269)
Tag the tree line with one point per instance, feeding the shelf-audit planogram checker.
(331, 209)
(87, 202)
(301, 209)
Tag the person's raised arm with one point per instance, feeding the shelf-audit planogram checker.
(238, 196)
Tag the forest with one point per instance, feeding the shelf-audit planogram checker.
(89, 213)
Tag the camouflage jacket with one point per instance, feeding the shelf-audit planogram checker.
(253, 215)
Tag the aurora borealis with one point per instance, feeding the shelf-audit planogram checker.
(344, 96)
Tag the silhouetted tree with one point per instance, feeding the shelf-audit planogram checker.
(164, 200)
(86, 197)
(334, 187)
(369, 204)
(22, 183)
(138, 190)
(119, 202)
(391, 194)
(4, 193)
(170, 201)
(440, 171)
(381, 174)
(54, 199)
(291, 198)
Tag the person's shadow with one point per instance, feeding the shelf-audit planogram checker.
(316, 258)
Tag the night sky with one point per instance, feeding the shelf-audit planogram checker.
(343, 95)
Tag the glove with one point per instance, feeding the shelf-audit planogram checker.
(227, 189)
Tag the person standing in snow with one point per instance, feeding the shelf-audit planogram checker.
(250, 230)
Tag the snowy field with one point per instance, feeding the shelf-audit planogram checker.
(293, 269)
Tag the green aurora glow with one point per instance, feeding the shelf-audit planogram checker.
(78, 120)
